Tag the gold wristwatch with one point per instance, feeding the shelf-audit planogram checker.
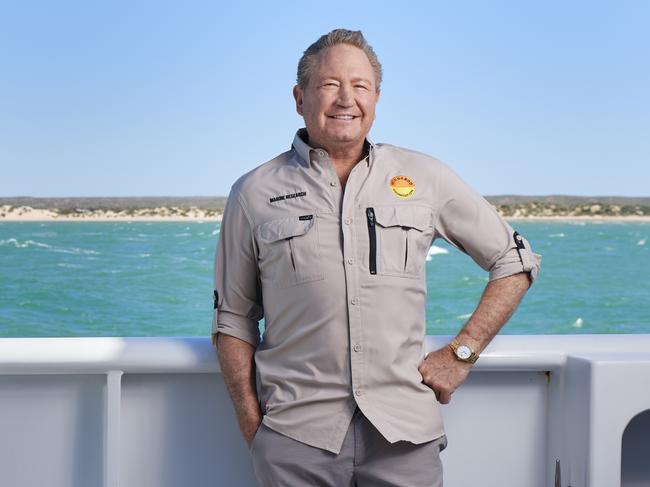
(463, 352)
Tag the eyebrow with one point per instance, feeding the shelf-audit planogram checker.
(362, 80)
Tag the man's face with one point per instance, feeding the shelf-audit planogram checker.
(338, 104)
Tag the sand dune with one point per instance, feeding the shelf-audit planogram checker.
(27, 213)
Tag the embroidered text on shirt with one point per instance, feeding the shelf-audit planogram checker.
(287, 196)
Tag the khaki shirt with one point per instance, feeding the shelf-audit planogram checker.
(339, 277)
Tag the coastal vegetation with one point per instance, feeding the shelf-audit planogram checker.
(124, 208)
(565, 206)
(523, 210)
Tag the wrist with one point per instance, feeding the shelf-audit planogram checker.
(251, 414)
(463, 351)
(250, 424)
(475, 343)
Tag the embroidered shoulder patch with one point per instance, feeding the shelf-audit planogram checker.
(402, 186)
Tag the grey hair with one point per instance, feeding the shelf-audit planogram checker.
(354, 38)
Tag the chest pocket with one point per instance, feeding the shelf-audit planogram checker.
(402, 238)
(289, 251)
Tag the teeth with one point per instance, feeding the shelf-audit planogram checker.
(343, 117)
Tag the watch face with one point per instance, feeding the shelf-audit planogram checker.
(463, 352)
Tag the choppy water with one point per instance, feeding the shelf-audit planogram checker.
(155, 279)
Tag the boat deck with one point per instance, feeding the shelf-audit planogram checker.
(154, 412)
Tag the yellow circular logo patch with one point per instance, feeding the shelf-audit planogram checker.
(402, 186)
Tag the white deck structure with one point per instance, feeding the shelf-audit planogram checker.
(154, 412)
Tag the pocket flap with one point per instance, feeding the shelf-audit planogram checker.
(418, 217)
(283, 228)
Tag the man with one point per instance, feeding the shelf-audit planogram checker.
(328, 242)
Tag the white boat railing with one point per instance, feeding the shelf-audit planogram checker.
(82, 412)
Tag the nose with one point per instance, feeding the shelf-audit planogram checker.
(345, 99)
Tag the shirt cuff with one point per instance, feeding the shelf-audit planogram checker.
(236, 326)
(516, 261)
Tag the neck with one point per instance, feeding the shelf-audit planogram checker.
(344, 159)
(342, 155)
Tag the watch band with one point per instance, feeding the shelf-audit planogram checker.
(470, 358)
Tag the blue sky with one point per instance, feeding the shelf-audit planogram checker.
(180, 98)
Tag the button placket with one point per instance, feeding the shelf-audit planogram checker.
(329, 177)
(355, 303)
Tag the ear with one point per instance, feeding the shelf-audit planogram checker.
(297, 95)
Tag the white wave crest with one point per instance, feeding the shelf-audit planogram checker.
(76, 250)
(435, 250)
(578, 323)
(67, 265)
(31, 243)
(22, 245)
(557, 235)
(642, 241)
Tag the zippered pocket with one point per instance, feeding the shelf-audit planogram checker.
(399, 238)
(372, 236)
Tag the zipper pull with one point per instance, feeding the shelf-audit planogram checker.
(370, 214)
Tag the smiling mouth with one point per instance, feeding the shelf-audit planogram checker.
(342, 117)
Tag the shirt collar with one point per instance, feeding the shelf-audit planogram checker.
(306, 152)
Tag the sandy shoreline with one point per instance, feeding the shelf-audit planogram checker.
(27, 214)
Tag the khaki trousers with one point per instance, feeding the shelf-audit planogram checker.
(366, 459)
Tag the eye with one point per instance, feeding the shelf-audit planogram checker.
(362, 87)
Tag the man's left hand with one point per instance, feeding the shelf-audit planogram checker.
(443, 373)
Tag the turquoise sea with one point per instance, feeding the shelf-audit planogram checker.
(155, 279)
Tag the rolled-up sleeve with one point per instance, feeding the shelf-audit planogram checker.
(237, 290)
(470, 223)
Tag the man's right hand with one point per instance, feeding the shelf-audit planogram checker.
(249, 429)
(236, 358)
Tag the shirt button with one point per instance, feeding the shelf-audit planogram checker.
(354, 300)
(332, 184)
(357, 347)
(348, 221)
(350, 261)
(320, 153)
(358, 392)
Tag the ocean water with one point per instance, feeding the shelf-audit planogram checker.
(155, 279)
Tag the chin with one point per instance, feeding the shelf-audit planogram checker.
(344, 138)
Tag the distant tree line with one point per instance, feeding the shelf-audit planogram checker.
(508, 205)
